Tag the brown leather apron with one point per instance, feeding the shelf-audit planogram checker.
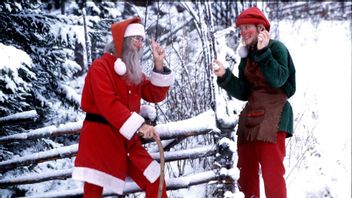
(260, 118)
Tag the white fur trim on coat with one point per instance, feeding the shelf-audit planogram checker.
(161, 80)
(131, 125)
(98, 178)
(152, 172)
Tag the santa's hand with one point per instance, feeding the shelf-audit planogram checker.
(158, 54)
(146, 131)
(263, 39)
(219, 68)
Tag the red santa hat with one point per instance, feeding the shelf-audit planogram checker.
(120, 30)
(252, 16)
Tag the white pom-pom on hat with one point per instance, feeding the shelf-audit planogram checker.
(120, 67)
(243, 51)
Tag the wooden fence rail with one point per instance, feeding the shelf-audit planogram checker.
(171, 133)
(71, 151)
(131, 187)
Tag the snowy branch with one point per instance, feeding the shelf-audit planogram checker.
(30, 179)
(186, 154)
(69, 128)
(70, 151)
(131, 187)
(200, 124)
(66, 151)
(19, 117)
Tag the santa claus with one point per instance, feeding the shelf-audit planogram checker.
(109, 147)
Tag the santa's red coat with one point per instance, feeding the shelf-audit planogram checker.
(106, 150)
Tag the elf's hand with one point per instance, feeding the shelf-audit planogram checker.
(263, 37)
(219, 68)
(158, 54)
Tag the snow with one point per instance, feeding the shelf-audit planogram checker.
(318, 160)
(66, 33)
(232, 145)
(132, 187)
(13, 59)
(70, 127)
(71, 94)
(22, 115)
(148, 111)
(202, 122)
(185, 154)
(61, 151)
(322, 56)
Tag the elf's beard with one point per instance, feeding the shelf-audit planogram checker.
(132, 58)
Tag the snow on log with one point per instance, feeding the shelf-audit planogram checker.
(131, 187)
(69, 151)
(35, 178)
(57, 153)
(68, 128)
(201, 124)
(187, 154)
(19, 117)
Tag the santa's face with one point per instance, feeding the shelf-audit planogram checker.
(249, 34)
(138, 42)
(131, 55)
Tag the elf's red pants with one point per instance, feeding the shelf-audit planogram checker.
(151, 189)
(270, 157)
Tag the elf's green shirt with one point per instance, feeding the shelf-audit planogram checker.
(278, 69)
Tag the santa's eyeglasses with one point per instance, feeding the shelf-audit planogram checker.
(138, 39)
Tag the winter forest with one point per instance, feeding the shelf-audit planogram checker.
(46, 48)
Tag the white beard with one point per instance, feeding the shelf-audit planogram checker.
(132, 59)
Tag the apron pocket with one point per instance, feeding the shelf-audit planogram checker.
(253, 118)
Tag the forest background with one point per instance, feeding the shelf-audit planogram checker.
(54, 43)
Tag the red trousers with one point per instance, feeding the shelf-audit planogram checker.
(151, 189)
(270, 157)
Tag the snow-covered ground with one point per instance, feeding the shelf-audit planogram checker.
(322, 56)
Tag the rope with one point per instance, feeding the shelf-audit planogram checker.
(162, 166)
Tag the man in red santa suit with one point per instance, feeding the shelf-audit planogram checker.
(110, 147)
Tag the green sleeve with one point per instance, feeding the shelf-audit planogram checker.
(235, 86)
(273, 62)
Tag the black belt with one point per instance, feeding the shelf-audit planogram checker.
(96, 118)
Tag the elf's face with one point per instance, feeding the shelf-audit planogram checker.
(249, 34)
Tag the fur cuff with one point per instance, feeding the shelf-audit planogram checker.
(152, 172)
(162, 80)
(131, 125)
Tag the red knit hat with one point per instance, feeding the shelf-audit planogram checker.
(252, 16)
(120, 30)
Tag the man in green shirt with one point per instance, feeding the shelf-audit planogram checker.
(266, 80)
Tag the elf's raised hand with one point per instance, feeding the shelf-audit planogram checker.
(263, 37)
